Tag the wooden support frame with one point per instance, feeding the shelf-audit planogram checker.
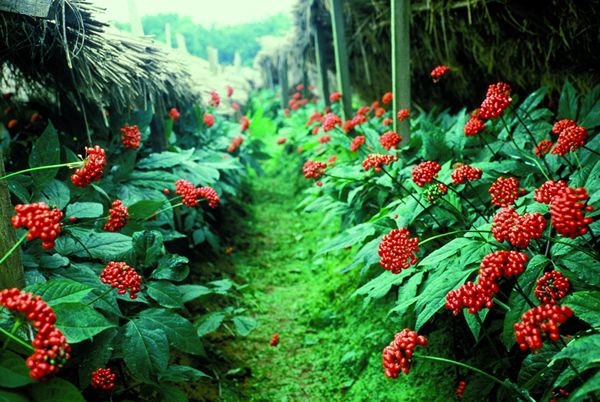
(341, 58)
(401, 64)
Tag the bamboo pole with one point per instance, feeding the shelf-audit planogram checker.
(283, 81)
(320, 59)
(400, 10)
(341, 58)
(11, 271)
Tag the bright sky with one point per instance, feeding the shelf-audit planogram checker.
(205, 12)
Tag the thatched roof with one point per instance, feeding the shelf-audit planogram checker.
(527, 44)
(73, 50)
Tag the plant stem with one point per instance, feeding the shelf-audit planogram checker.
(475, 369)
(155, 214)
(107, 291)
(33, 169)
(15, 338)
(522, 293)
(13, 248)
(465, 199)
(531, 137)
(591, 150)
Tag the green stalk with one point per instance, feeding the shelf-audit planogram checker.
(12, 336)
(33, 169)
(476, 370)
(13, 248)
(163, 210)
(99, 297)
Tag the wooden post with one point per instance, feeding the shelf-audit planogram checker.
(341, 57)
(283, 81)
(11, 270)
(401, 64)
(322, 68)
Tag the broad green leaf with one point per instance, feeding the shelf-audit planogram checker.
(178, 373)
(165, 293)
(55, 193)
(191, 292)
(592, 385)
(172, 267)
(148, 247)
(532, 101)
(380, 286)
(473, 323)
(355, 235)
(445, 252)
(13, 396)
(179, 331)
(535, 367)
(84, 210)
(79, 322)
(172, 393)
(154, 179)
(408, 293)
(585, 304)
(53, 261)
(146, 347)
(222, 286)
(581, 265)
(19, 190)
(55, 390)
(591, 119)
(13, 370)
(568, 102)
(58, 291)
(366, 256)
(144, 208)
(583, 352)
(166, 159)
(45, 152)
(83, 242)
(210, 323)
(244, 325)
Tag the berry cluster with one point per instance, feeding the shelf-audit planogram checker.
(460, 389)
(567, 209)
(434, 192)
(173, 114)
(548, 190)
(425, 172)
(229, 90)
(93, 165)
(274, 340)
(324, 139)
(403, 114)
(244, 123)
(103, 378)
(187, 191)
(569, 140)
(398, 355)
(387, 97)
(215, 99)
(335, 97)
(209, 120)
(51, 350)
(357, 142)
(314, 169)
(397, 250)
(475, 125)
(496, 100)
(356, 120)
(505, 191)
(118, 217)
(235, 144)
(538, 322)
(476, 295)
(560, 125)
(390, 140)
(542, 148)
(42, 222)
(209, 194)
(329, 121)
(121, 276)
(517, 229)
(551, 287)
(438, 72)
(464, 173)
(375, 161)
(131, 137)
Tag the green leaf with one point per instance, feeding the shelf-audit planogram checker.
(55, 193)
(583, 352)
(580, 265)
(166, 159)
(14, 372)
(148, 247)
(53, 261)
(58, 291)
(146, 349)
(191, 292)
(95, 354)
(590, 109)
(55, 390)
(79, 322)
(568, 102)
(83, 242)
(534, 367)
(473, 323)
(445, 252)
(155, 179)
(210, 323)
(13, 396)
(585, 305)
(172, 393)
(172, 267)
(165, 293)
(179, 331)
(144, 208)
(380, 286)
(244, 325)
(84, 210)
(44, 152)
(177, 373)
(533, 100)
(355, 235)
(586, 389)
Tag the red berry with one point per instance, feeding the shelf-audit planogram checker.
(103, 378)
(397, 356)
(397, 250)
(121, 276)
